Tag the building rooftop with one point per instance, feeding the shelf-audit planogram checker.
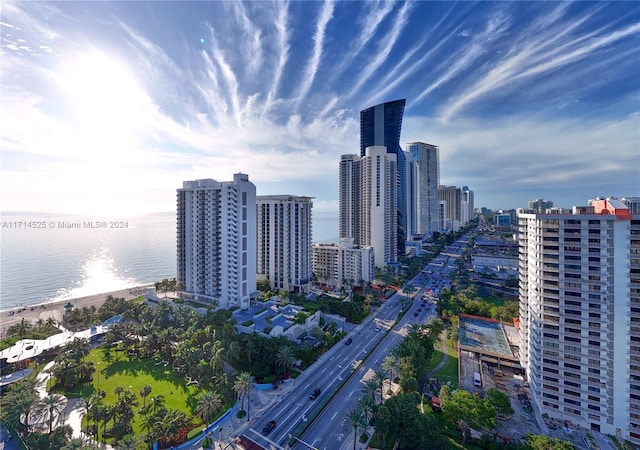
(481, 333)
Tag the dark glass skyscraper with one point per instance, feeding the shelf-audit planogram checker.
(381, 125)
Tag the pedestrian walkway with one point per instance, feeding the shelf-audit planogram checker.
(73, 411)
(436, 369)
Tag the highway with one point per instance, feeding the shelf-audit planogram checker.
(342, 371)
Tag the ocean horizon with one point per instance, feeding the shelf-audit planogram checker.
(48, 257)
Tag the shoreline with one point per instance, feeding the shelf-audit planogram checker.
(55, 309)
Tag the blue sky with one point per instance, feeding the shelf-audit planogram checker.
(107, 107)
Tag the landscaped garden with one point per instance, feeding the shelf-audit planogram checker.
(153, 383)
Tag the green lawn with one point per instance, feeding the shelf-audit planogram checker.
(115, 369)
(495, 300)
(449, 372)
(436, 358)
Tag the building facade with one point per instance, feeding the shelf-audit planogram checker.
(423, 196)
(381, 125)
(343, 265)
(633, 203)
(379, 181)
(349, 198)
(284, 242)
(216, 240)
(452, 198)
(580, 315)
(540, 205)
(467, 213)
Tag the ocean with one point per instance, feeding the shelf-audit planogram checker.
(46, 257)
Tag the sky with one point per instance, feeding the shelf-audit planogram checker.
(107, 107)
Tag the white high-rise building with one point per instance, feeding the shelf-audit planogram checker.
(451, 195)
(423, 196)
(284, 242)
(580, 315)
(350, 205)
(343, 265)
(466, 205)
(379, 211)
(216, 240)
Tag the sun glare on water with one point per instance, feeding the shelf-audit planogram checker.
(98, 274)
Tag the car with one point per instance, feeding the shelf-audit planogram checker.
(376, 329)
(415, 314)
(315, 394)
(268, 427)
(348, 341)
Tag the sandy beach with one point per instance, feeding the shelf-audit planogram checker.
(56, 309)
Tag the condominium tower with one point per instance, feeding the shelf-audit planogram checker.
(580, 315)
(349, 202)
(284, 242)
(378, 224)
(216, 240)
(451, 196)
(466, 205)
(380, 125)
(343, 265)
(422, 189)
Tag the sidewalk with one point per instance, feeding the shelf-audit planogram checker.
(228, 430)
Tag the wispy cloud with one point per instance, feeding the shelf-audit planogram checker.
(8, 25)
(326, 14)
(282, 29)
(252, 43)
(537, 54)
(272, 83)
(459, 62)
(369, 25)
(384, 48)
(410, 65)
(553, 153)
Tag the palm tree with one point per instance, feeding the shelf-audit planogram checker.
(128, 442)
(17, 404)
(144, 392)
(20, 329)
(77, 348)
(371, 387)
(215, 361)
(366, 406)
(390, 364)
(285, 359)
(242, 385)
(124, 409)
(52, 405)
(156, 403)
(208, 405)
(356, 419)
(118, 391)
(380, 376)
(78, 444)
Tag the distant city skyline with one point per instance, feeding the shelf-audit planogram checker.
(106, 107)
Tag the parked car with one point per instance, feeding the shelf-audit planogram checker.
(268, 427)
(315, 394)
